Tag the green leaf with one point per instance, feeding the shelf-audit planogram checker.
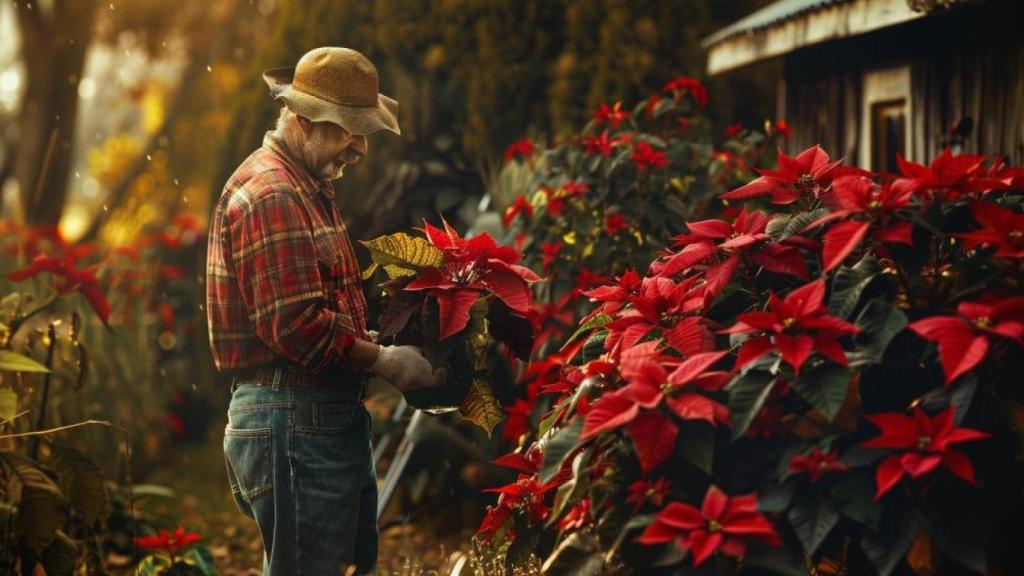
(775, 561)
(597, 321)
(8, 404)
(152, 565)
(81, 481)
(747, 394)
(697, 443)
(853, 494)
(60, 556)
(797, 223)
(579, 554)
(776, 228)
(558, 447)
(879, 323)
(19, 363)
(812, 520)
(887, 549)
(201, 558)
(571, 491)
(481, 407)
(849, 283)
(824, 387)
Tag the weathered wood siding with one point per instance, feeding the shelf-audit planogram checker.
(968, 62)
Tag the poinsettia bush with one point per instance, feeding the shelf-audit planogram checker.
(823, 375)
(610, 199)
(455, 297)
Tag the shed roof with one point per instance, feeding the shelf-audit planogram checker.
(787, 25)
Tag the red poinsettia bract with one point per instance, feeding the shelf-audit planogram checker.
(172, 542)
(795, 327)
(1001, 228)
(524, 495)
(470, 267)
(520, 206)
(611, 115)
(816, 463)
(805, 174)
(650, 385)
(519, 149)
(872, 206)
(68, 278)
(923, 442)
(963, 340)
(723, 523)
(949, 177)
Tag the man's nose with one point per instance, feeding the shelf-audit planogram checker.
(360, 144)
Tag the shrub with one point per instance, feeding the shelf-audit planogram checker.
(824, 375)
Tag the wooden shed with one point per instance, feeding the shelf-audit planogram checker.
(869, 78)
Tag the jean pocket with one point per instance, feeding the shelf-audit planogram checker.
(331, 417)
(248, 458)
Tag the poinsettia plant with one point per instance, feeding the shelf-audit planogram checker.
(823, 373)
(454, 296)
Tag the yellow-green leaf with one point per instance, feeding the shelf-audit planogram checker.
(481, 407)
(403, 251)
(8, 404)
(19, 363)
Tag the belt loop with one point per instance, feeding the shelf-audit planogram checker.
(276, 385)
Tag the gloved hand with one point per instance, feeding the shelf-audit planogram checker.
(406, 368)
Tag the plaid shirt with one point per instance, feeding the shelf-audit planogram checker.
(282, 280)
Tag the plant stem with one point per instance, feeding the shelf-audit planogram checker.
(19, 322)
(51, 334)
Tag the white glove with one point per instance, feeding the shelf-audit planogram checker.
(405, 368)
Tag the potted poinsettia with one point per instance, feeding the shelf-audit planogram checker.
(454, 297)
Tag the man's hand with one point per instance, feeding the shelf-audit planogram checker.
(406, 368)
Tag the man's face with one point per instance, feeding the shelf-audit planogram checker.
(330, 148)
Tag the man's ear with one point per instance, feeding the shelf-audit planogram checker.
(305, 124)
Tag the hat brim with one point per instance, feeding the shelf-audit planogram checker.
(360, 120)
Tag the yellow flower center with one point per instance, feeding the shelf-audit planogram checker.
(874, 205)
(1017, 234)
(714, 526)
(924, 442)
(788, 323)
(983, 322)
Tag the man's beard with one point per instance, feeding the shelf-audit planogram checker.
(333, 168)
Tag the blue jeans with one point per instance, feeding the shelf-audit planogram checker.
(299, 463)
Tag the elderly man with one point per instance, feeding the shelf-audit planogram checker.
(287, 318)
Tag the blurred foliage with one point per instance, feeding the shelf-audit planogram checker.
(471, 76)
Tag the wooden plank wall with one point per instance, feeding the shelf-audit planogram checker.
(969, 62)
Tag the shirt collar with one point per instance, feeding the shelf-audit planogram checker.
(277, 147)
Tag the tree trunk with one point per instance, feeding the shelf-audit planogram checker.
(53, 49)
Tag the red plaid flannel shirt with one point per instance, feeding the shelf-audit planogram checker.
(282, 280)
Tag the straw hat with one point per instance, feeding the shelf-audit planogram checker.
(338, 85)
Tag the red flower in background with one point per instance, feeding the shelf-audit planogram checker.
(574, 189)
(577, 516)
(953, 176)
(1001, 228)
(614, 223)
(963, 339)
(684, 123)
(646, 157)
(602, 144)
(550, 251)
(685, 85)
(924, 444)
(782, 129)
(470, 267)
(171, 542)
(795, 327)
(816, 463)
(520, 206)
(644, 491)
(519, 149)
(807, 173)
(733, 130)
(611, 115)
(725, 524)
(68, 279)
